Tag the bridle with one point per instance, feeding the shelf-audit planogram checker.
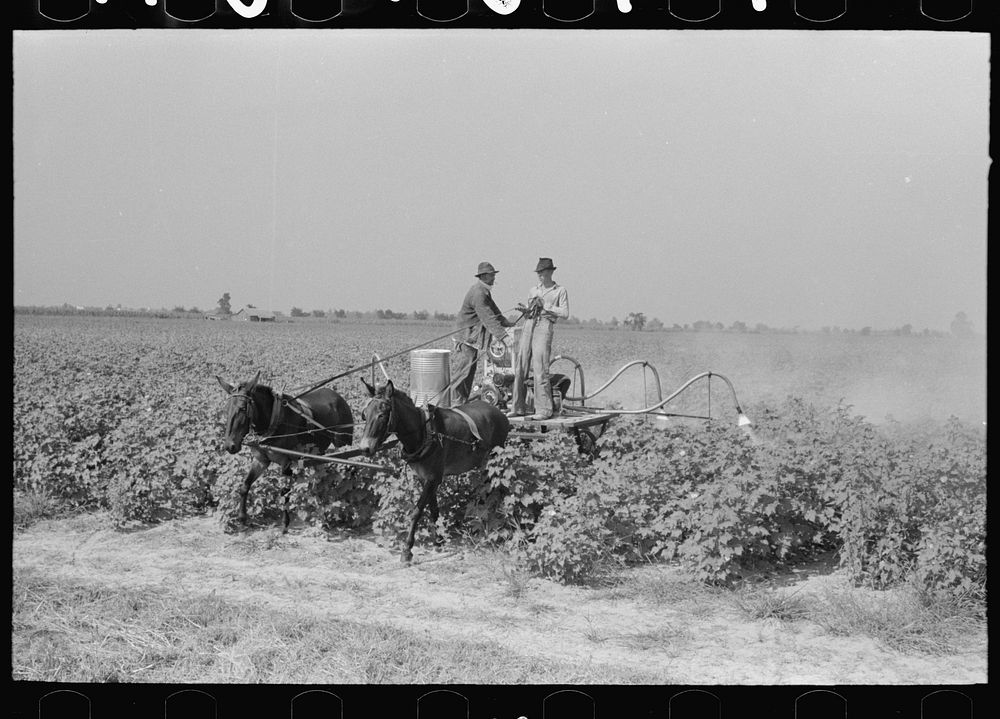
(390, 422)
(248, 407)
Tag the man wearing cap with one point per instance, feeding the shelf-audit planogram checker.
(547, 302)
(478, 318)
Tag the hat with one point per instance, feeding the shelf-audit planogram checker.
(484, 268)
(544, 263)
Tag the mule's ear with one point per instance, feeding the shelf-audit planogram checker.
(371, 390)
(389, 389)
(225, 385)
(254, 381)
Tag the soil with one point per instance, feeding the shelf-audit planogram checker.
(637, 624)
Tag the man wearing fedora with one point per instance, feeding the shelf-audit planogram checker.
(478, 318)
(547, 302)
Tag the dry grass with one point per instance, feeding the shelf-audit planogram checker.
(33, 506)
(668, 637)
(902, 620)
(667, 586)
(73, 633)
(759, 603)
(516, 583)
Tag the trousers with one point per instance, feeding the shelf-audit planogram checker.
(463, 365)
(534, 352)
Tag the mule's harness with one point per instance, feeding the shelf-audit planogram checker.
(431, 437)
(279, 401)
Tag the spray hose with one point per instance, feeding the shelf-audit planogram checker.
(742, 421)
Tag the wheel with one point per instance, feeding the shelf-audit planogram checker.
(586, 442)
(491, 395)
(497, 350)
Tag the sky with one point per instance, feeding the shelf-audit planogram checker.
(791, 178)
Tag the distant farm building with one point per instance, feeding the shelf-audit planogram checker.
(252, 314)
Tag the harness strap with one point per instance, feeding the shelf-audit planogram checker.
(275, 413)
(431, 438)
(472, 424)
(299, 407)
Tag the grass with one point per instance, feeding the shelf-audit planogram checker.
(33, 506)
(759, 603)
(902, 620)
(516, 582)
(660, 585)
(75, 633)
(668, 637)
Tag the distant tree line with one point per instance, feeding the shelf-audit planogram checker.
(960, 326)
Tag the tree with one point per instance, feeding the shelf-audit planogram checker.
(961, 326)
(318, 313)
(224, 307)
(635, 321)
(297, 312)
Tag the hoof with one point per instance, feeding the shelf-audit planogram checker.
(406, 557)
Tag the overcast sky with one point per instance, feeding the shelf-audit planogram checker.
(794, 178)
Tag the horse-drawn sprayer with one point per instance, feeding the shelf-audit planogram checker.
(434, 438)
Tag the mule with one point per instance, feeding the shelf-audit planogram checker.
(283, 423)
(436, 442)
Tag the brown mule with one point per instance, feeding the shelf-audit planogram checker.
(257, 406)
(435, 443)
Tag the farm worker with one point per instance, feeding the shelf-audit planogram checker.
(547, 302)
(478, 318)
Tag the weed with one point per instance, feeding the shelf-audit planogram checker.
(902, 620)
(663, 638)
(32, 505)
(593, 633)
(516, 583)
(759, 603)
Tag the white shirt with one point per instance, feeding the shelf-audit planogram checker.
(555, 301)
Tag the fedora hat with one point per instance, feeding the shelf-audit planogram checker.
(485, 268)
(544, 263)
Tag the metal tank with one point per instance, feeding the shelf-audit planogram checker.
(430, 375)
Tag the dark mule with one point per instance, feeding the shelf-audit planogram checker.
(435, 443)
(284, 423)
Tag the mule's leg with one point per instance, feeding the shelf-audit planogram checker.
(286, 489)
(432, 507)
(257, 468)
(425, 495)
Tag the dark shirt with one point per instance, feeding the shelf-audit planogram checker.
(479, 315)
